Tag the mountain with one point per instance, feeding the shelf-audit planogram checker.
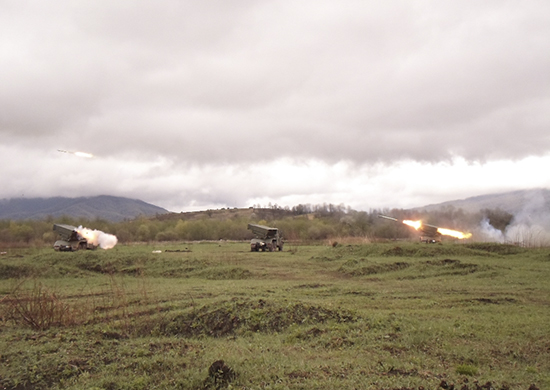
(533, 203)
(110, 208)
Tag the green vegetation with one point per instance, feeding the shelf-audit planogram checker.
(303, 223)
(215, 315)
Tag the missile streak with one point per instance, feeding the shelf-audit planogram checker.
(386, 217)
(79, 154)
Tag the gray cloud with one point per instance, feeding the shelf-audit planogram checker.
(230, 83)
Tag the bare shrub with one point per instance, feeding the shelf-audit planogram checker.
(38, 307)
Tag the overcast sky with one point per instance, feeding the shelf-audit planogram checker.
(192, 105)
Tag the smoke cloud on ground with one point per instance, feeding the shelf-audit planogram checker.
(529, 227)
(523, 234)
(98, 238)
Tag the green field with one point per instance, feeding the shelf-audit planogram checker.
(374, 316)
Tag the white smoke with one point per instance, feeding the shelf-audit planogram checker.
(98, 238)
(490, 233)
(530, 227)
(527, 235)
(521, 234)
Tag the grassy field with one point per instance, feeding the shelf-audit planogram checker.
(372, 316)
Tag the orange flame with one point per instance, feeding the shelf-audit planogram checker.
(447, 232)
(414, 224)
(454, 233)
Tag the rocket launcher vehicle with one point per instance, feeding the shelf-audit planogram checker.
(71, 239)
(266, 238)
(430, 233)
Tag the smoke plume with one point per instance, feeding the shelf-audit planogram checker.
(490, 233)
(98, 238)
(530, 226)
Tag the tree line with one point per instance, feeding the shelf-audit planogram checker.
(299, 223)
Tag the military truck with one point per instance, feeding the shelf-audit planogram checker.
(70, 240)
(266, 238)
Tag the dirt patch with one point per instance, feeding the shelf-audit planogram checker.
(219, 375)
(8, 271)
(360, 293)
(224, 273)
(311, 285)
(495, 301)
(478, 386)
(394, 350)
(444, 262)
(395, 251)
(300, 375)
(186, 268)
(461, 268)
(499, 249)
(399, 372)
(425, 251)
(106, 335)
(237, 317)
(107, 268)
(324, 258)
(355, 268)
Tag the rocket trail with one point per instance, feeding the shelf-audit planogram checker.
(79, 154)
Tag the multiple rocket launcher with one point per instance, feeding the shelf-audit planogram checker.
(73, 238)
(430, 233)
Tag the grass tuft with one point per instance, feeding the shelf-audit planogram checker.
(466, 369)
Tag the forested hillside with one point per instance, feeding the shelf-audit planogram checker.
(305, 223)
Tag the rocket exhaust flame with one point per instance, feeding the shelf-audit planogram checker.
(454, 233)
(414, 224)
(97, 237)
(447, 232)
(430, 230)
